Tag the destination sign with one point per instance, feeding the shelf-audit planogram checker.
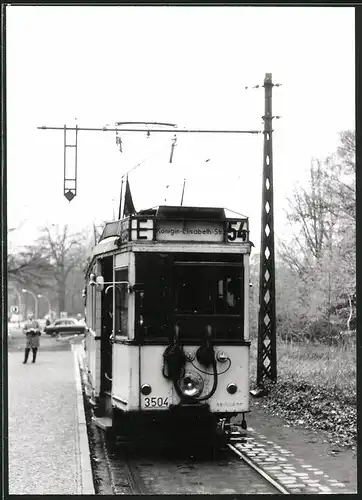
(230, 231)
(186, 230)
(152, 229)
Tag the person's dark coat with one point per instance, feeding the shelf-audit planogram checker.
(32, 332)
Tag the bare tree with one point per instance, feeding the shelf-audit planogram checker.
(309, 213)
(66, 252)
(322, 251)
(27, 265)
(30, 266)
(75, 284)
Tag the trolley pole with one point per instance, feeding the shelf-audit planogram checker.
(267, 356)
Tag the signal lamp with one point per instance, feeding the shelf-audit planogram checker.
(232, 388)
(222, 357)
(146, 389)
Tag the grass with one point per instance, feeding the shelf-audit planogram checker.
(330, 367)
(316, 388)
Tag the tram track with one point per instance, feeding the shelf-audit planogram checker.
(134, 479)
(254, 465)
(126, 471)
(124, 474)
(147, 473)
(266, 476)
(246, 467)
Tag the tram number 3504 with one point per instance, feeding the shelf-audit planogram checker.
(156, 402)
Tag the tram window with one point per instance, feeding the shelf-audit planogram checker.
(91, 307)
(209, 295)
(153, 306)
(121, 303)
(208, 290)
(192, 294)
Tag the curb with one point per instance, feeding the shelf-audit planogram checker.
(86, 474)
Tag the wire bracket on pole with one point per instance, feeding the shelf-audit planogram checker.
(174, 140)
(70, 165)
(119, 142)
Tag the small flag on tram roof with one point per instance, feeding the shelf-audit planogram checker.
(128, 207)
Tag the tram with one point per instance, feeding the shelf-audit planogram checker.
(167, 340)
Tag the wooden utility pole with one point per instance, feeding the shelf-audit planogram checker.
(267, 355)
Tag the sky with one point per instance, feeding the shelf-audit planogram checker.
(188, 66)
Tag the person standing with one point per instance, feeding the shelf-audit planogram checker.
(32, 332)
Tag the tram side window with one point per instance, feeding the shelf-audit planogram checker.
(154, 302)
(121, 303)
(91, 308)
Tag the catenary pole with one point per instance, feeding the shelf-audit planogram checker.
(267, 356)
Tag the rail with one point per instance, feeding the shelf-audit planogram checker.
(262, 473)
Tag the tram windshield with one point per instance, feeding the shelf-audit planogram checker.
(193, 292)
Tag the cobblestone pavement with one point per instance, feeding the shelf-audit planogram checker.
(290, 471)
(300, 459)
(42, 441)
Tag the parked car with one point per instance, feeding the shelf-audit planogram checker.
(69, 326)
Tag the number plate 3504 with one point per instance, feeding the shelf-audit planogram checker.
(156, 402)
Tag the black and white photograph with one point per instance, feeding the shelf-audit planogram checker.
(181, 249)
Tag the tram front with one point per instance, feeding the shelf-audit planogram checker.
(191, 316)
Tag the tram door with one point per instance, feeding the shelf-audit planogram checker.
(106, 327)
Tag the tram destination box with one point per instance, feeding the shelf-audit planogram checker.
(229, 231)
(150, 227)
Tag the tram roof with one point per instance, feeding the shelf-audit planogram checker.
(198, 222)
(167, 212)
(181, 212)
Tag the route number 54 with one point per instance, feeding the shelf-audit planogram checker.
(237, 230)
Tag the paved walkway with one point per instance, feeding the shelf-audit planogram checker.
(47, 440)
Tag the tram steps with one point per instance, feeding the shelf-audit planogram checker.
(103, 422)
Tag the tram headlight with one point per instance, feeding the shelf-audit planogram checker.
(191, 385)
